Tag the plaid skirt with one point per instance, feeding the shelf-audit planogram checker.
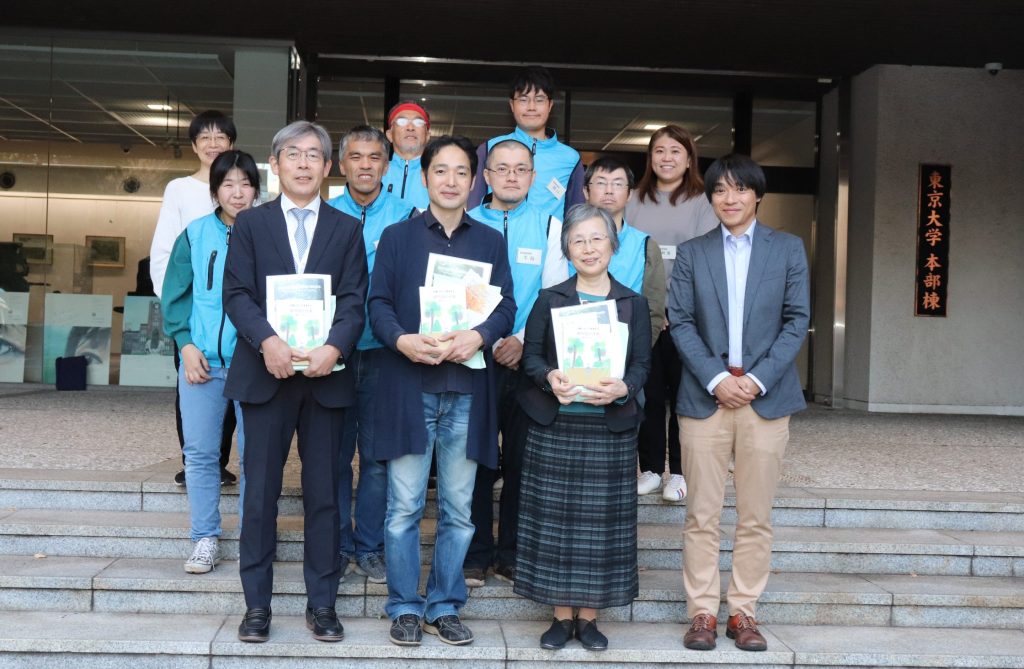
(577, 514)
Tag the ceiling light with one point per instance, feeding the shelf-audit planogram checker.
(654, 126)
(159, 107)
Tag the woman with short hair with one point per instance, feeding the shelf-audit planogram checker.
(577, 512)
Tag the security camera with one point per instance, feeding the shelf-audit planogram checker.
(126, 148)
(993, 68)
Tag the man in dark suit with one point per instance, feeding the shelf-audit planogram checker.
(295, 234)
(739, 306)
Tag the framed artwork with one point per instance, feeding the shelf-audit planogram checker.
(37, 249)
(105, 251)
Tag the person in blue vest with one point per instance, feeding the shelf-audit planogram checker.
(533, 241)
(408, 130)
(637, 264)
(558, 180)
(194, 317)
(363, 160)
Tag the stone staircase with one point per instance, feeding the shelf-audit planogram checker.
(91, 576)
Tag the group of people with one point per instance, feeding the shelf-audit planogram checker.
(716, 306)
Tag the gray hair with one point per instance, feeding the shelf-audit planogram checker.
(296, 129)
(584, 212)
(364, 133)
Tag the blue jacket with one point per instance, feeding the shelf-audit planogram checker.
(629, 262)
(191, 297)
(394, 306)
(525, 230)
(552, 160)
(385, 210)
(404, 180)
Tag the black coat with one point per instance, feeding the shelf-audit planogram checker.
(540, 355)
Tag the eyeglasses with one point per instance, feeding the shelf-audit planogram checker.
(504, 171)
(292, 155)
(538, 99)
(616, 185)
(593, 241)
(722, 190)
(403, 121)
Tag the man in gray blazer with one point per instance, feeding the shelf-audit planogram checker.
(739, 306)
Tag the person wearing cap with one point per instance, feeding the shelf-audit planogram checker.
(408, 129)
(362, 160)
(558, 179)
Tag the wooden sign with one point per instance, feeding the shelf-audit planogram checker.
(933, 217)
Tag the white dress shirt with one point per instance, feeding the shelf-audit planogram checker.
(293, 225)
(737, 262)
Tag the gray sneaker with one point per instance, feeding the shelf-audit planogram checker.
(372, 567)
(205, 556)
(450, 630)
(406, 631)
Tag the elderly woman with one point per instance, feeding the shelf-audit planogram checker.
(577, 513)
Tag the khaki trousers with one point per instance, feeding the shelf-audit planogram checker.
(757, 446)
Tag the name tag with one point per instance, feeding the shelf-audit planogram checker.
(556, 189)
(528, 256)
(668, 252)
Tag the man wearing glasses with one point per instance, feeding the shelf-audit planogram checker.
(532, 240)
(295, 234)
(558, 181)
(637, 264)
(408, 129)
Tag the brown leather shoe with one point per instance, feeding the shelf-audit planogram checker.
(744, 630)
(702, 633)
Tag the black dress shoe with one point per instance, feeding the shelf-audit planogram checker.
(589, 636)
(227, 478)
(325, 624)
(255, 627)
(557, 635)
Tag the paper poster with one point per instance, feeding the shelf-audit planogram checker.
(147, 354)
(13, 336)
(77, 325)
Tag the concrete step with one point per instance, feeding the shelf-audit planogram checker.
(134, 585)
(806, 507)
(168, 641)
(795, 549)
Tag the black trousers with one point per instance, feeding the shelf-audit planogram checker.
(227, 432)
(661, 390)
(268, 436)
(513, 423)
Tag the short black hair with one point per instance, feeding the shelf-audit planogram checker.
(228, 161)
(533, 78)
(609, 164)
(212, 118)
(736, 169)
(438, 143)
(508, 144)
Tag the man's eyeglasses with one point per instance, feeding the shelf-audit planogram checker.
(593, 241)
(292, 155)
(402, 121)
(538, 99)
(504, 170)
(616, 185)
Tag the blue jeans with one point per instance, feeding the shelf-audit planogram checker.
(447, 419)
(372, 494)
(202, 421)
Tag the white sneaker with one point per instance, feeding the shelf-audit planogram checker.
(675, 489)
(647, 483)
(205, 555)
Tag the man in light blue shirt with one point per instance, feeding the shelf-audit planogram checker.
(363, 160)
(408, 131)
(739, 306)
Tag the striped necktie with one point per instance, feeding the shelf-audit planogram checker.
(301, 240)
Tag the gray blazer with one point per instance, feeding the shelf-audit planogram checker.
(776, 312)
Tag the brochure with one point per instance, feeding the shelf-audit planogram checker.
(300, 308)
(457, 284)
(591, 343)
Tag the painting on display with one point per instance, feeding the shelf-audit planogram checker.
(77, 325)
(105, 251)
(147, 354)
(13, 335)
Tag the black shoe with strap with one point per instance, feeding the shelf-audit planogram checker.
(557, 635)
(589, 636)
(255, 627)
(324, 622)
